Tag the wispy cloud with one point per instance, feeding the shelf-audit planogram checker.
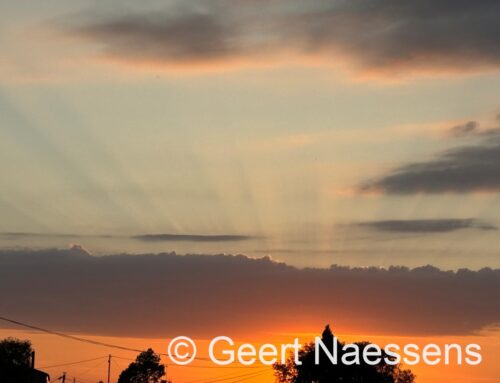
(191, 237)
(464, 169)
(141, 237)
(426, 225)
(372, 35)
(21, 235)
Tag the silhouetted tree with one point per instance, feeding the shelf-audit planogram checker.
(146, 369)
(15, 352)
(327, 372)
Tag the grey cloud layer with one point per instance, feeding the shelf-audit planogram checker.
(374, 34)
(166, 294)
(427, 225)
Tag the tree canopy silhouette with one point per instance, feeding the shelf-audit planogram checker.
(15, 352)
(146, 369)
(327, 372)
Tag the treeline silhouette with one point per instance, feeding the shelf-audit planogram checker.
(147, 368)
(16, 357)
(308, 371)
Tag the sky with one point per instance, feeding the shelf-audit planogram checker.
(330, 140)
(268, 122)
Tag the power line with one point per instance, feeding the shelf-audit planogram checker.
(80, 339)
(223, 377)
(76, 338)
(75, 379)
(122, 357)
(120, 367)
(224, 367)
(71, 363)
(243, 377)
(250, 377)
(118, 347)
(92, 368)
(83, 373)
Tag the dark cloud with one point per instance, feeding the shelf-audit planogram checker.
(163, 295)
(471, 129)
(465, 169)
(173, 35)
(375, 34)
(427, 225)
(191, 237)
(466, 129)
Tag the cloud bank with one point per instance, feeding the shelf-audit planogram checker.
(163, 295)
(371, 35)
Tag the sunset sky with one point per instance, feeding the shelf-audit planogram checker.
(297, 135)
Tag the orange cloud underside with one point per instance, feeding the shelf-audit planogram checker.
(393, 72)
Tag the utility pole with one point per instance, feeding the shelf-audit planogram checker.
(109, 367)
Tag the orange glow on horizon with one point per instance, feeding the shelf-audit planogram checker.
(52, 350)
